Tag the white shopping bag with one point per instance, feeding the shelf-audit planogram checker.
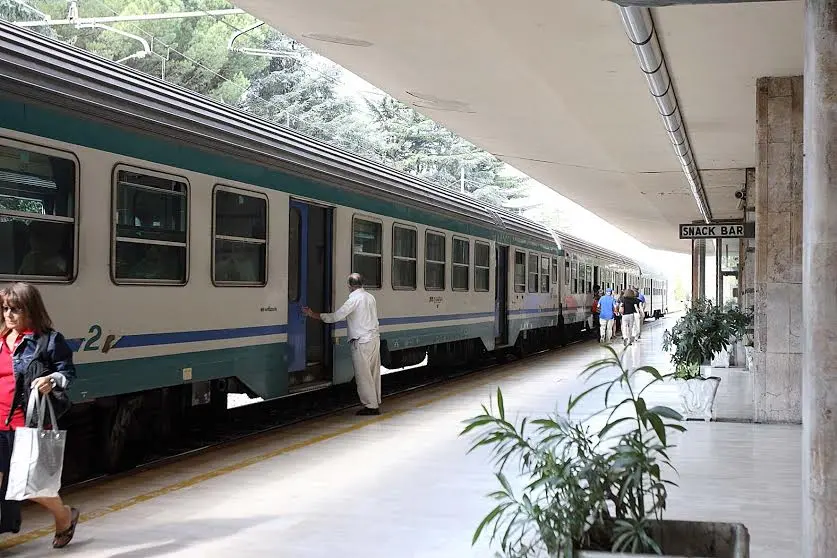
(38, 454)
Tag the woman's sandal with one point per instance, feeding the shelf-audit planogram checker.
(63, 538)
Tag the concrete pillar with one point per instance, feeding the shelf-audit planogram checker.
(819, 425)
(698, 269)
(777, 358)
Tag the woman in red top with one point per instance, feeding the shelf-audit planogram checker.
(26, 325)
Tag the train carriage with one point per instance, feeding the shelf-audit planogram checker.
(176, 240)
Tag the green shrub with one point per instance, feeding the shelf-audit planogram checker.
(586, 488)
(704, 330)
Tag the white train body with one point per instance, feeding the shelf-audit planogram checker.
(187, 236)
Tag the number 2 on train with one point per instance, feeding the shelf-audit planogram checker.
(90, 344)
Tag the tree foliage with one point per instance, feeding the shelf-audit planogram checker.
(422, 147)
(292, 87)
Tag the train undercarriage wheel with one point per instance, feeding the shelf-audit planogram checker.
(119, 428)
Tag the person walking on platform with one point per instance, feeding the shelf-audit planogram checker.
(628, 308)
(361, 314)
(595, 308)
(27, 337)
(640, 316)
(606, 315)
(617, 323)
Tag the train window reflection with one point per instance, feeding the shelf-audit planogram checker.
(533, 273)
(404, 257)
(482, 264)
(434, 261)
(37, 214)
(366, 251)
(519, 272)
(461, 264)
(240, 252)
(150, 225)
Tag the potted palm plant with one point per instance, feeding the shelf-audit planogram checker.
(701, 333)
(593, 487)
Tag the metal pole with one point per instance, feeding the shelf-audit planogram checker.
(115, 19)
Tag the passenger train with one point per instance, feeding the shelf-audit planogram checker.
(176, 240)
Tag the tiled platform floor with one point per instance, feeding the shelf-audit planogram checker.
(401, 485)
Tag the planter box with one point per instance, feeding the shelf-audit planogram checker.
(692, 539)
(697, 397)
(721, 359)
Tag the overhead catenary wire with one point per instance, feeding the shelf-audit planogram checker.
(330, 135)
(241, 32)
(220, 16)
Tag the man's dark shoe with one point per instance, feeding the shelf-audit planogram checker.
(368, 411)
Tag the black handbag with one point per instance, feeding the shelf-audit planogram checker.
(40, 367)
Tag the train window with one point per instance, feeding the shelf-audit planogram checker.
(482, 264)
(151, 229)
(461, 270)
(575, 277)
(589, 277)
(533, 273)
(404, 257)
(294, 248)
(567, 272)
(367, 246)
(554, 270)
(37, 214)
(544, 274)
(519, 272)
(434, 261)
(240, 253)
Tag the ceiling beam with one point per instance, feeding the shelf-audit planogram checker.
(660, 3)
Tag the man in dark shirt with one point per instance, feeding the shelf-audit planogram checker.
(628, 308)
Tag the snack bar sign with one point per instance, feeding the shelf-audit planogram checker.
(718, 230)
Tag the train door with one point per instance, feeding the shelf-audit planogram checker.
(309, 284)
(501, 296)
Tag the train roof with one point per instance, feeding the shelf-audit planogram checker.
(571, 244)
(53, 72)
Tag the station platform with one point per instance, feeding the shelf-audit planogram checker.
(402, 485)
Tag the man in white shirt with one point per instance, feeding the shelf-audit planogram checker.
(361, 314)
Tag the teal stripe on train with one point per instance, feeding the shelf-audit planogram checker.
(516, 325)
(262, 367)
(58, 125)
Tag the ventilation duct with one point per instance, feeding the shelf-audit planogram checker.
(639, 26)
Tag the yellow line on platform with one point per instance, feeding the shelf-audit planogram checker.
(16, 540)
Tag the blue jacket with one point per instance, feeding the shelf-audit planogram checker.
(39, 355)
(606, 307)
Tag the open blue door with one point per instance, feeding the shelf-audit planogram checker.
(297, 284)
(309, 284)
(501, 296)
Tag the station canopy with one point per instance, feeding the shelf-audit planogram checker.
(555, 89)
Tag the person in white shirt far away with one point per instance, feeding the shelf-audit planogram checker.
(361, 314)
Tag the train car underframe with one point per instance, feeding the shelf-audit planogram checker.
(116, 433)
